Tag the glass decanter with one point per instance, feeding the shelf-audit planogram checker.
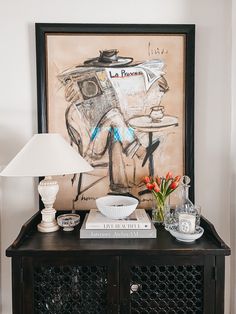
(186, 206)
(184, 190)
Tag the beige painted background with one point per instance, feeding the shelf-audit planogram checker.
(70, 51)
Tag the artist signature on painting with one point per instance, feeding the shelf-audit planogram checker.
(153, 51)
(87, 198)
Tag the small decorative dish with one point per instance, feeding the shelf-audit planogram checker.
(116, 206)
(68, 221)
(185, 237)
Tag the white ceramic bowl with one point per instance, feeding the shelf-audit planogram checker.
(185, 237)
(116, 206)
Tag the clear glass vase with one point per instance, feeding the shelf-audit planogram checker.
(158, 210)
(170, 215)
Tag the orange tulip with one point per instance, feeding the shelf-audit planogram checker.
(155, 184)
(174, 185)
(149, 186)
(158, 180)
(177, 178)
(146, 179)
(157, 189)
(169, 175)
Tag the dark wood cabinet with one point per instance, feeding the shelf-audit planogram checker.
(59, 273)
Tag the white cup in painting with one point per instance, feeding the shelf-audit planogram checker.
(187, 223)
(157, 113)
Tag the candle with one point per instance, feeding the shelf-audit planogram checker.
(187, 223)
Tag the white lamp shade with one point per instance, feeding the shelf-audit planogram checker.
(46, 154)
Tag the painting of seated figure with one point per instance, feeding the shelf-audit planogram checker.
(120, 100)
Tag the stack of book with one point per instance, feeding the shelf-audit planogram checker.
(137, 225)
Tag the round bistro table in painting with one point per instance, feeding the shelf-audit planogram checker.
(145, 124)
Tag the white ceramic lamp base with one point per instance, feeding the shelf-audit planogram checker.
(48, 223)
(48, 189)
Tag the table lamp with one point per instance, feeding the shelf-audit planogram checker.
(46, 154)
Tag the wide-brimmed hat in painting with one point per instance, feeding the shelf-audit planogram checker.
(108, 58)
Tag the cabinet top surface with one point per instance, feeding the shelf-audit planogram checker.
(30, 242)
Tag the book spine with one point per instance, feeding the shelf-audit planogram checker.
(119, 226)
(117, 234)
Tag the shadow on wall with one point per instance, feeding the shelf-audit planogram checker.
(10, 143)
(1, 207)
(32, 75)
(233, 241)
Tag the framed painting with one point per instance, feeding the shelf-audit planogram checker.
(123, 96)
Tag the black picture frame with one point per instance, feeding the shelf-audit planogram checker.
(188, 30)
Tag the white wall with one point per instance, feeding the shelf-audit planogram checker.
(233, 163)
(212, 101)
(0, 238)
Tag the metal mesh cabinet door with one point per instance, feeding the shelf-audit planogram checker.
(71, 286)
(173, 285)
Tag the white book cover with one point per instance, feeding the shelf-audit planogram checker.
(117, 233)
(137, 220)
